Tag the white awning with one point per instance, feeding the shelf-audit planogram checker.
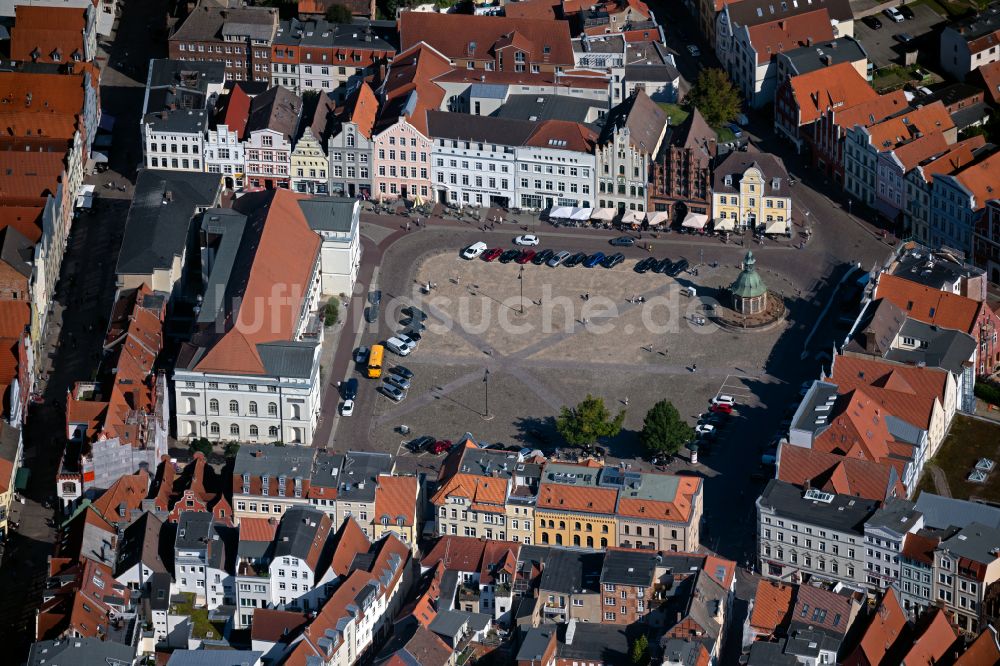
(560, 213)
(695, 221)
(85, 196)
(581, 213)
(604, 214)
(632, 217)
(777, 227)
(653, 219)
(725, 224)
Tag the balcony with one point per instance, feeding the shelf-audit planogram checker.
(468, 593)
(503, 590)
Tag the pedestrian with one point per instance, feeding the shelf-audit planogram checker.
(626, 401)
(694, 367)
(407, 226)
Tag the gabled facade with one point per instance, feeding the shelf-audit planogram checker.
(350, 145)
(270, 131)
(631, 139)
(309, 166)
(751, 191)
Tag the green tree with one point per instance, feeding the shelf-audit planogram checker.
(585, 423)
(338, 14)
(231, 449)
(332, 312)
(639, 653)
(201, 445)
(663, 429)
(714, 95)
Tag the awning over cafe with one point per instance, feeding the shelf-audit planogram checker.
(603, 214)
(695, 221)
(725, 224)
(659, 217)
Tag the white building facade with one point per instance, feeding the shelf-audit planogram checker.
(224, 155)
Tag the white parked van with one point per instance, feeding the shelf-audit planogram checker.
(397, 346)
(474, 250)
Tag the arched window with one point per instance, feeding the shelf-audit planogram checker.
(234, 430)
(559, 539)
(604, 529)
(590, 542)
(254, 431)
(562, 524)
(576, 539)
(234, 407)
(213, 406)
(213, 428)
(545, 537)
(578, 526)
(272, 409)
(252, 407)
(272, 431)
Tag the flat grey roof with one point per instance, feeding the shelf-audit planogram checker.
(629, 567)
(941, 512)
(946, 348)
(357, 478)
(975, 541)
(819, 402)
(194, 530)
(79, 652)
(329, 213)
(844, 513)
(537, 108)
(807, 59)
(261, 459)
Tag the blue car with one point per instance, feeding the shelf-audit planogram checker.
(593, 260)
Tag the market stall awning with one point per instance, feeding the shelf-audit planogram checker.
(603, 214)
(417, 201)
(725, 224)
(695, 221)
(632, 217)
(581, 214)
(659, 217)
(560, 213)
(777, 227)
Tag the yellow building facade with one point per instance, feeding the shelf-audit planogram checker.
(751, 191)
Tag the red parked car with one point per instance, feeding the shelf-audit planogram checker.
(721, 408)
(491, 255)
(526, 256)
(441, 446)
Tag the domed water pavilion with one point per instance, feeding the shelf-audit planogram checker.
(748, 291)
(747, 304)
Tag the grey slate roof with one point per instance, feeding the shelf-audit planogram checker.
(643, 119)
(939, 269)
(159, 591)
(535, 643)
(140, 542)
(186, 121)
(880, 324)
(660, 73)
(570, 571)
(940, 512)
(214, 657)
(946, 348)
(469, 127)
(450, 623)
(334, 214)
(156, 232)
(683, 651)
(360, 34)
(606, 642)
(296, 532)
(227, 228)
(277, 109)
(213, 18)
(845, 513)
(194, 530)
(552, 107)
(736, 163)
(763, 653)
(807, 59)
(975, 542)
(754, 12)
(629, 567)
(260, 459)
(288, 358)
(896, 514)
(80, 652)
(16, 250)
(177, 94)
(357, 477)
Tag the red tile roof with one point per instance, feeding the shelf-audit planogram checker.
(920, 548)
(365, 110)
(258, 529)
(351, 542)
(772, 606)
(834, 473)
(885, 628)
(45, 93)
(984, 650)
(904, 127)
(980, 179)
(952, 159)
(834, 87)
(486, 493)
(678, 510)
(871, 111)
(26, 219)
(563, 135)
(857, 429)
(533, 9)
(395, 498)
(412, 73)
(934, 643)
(930, 305)
(274, 626)
(40, 33)
(789, 33)
(838, 609)
(237, 111)
(991, 80)
(26, 179)
(913, 153)
(561, 497)
(467, 37)
(456, 553)
(285, 256)
(907, 392)
(14, 317)
(127, 492)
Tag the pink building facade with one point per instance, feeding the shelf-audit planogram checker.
(402, 162)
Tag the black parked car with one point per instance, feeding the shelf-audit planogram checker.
(349, 389)
(420, 443)
(661, 265)
(613, 260)
(577, 258)
(542, 257)
(872, 22)
(905, 11)
(509, 256)
(644, 265)
(678, 268)
(402, 371)
(414, 313)
(371, 313)
(623, 241)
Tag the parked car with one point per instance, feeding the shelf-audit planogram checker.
(623, 241)
(409, 338)
(361, 355)
(526, 256)
(558, 258)
(661, 265)
(527, 239)
(375, 297)
(414, 312)
(393, 393)
(542, 257)
(593, 260)
(872, 22)
(491, 255)
(704, 429)
(735, 129)
(398, 381)
(723, 399)
(347, 408)
(677, 268)
(418, 444)
(349, 389)
(509, 256)
(402, 371)
(613, 260)
(440, 446)
(371, 313)
(397, 346)
(577, 258)
(906, 12)
(694, 51)
(893, 14)
(474, 250)
(903, 37)
(721, 408)
(644, 265)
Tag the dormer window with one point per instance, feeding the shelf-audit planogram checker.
(775, 183)
(264, 481)
(729, 181)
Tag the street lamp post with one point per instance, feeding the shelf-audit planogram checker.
(520, 279)
(486, 386)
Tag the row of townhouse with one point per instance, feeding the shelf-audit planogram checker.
(499, 495)
(682, 594)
